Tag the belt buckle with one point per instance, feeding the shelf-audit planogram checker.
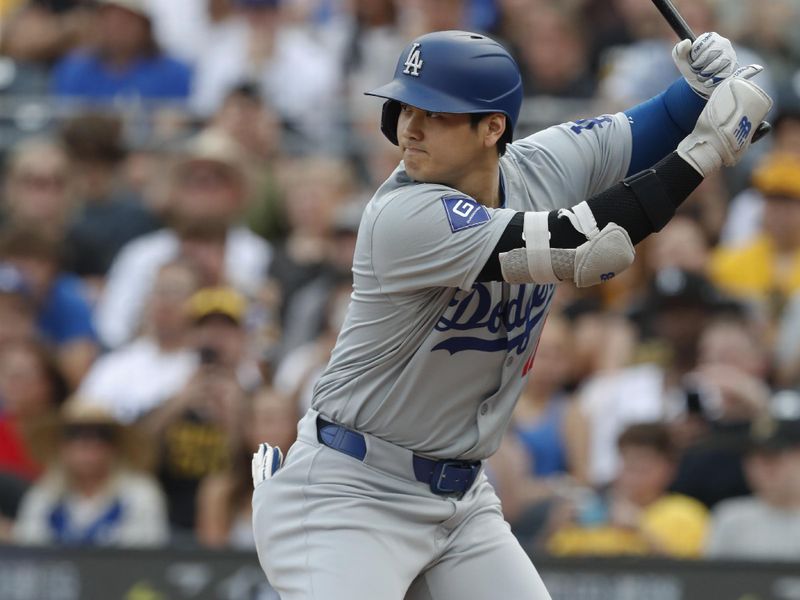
(447, 485)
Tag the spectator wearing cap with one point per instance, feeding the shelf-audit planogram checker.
(765, 269)
(38, 190)
(669, 318)
(94, 492)
(715, 404)
(138, 377)
(766, 525)
(63, 313)
(109, 213)
(209, 191)
(198, 430)
(640, 515)
(125, 62)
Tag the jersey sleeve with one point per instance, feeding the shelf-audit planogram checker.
(580, 158)
(436, 237)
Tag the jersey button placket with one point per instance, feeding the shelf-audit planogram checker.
(484, 409)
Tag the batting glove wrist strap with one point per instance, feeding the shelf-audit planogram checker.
(726, 126)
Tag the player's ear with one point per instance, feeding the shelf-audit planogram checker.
(495, 125)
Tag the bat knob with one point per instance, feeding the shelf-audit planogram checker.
(763, 129)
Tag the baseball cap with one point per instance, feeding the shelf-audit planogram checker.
(674, 288)
(215, 147)
(778, 175)
(778, 428)
(217, 301)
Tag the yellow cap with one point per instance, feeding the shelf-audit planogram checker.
(224, 301)
(778, 175)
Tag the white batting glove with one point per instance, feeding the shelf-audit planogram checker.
(726, 126)
(705, 63)
(266, 462)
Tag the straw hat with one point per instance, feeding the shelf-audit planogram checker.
(80, 416)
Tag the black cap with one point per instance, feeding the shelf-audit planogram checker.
(678, 288)
(779, 428)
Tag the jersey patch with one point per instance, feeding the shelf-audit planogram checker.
(463, 212)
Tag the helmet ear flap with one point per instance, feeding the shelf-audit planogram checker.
(389, 116)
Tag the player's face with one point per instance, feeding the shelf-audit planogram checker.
(440, 147)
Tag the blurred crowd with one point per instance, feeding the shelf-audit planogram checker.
(181, 187)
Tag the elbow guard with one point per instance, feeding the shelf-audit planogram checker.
(605, 252)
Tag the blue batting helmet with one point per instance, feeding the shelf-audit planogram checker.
(453, 72)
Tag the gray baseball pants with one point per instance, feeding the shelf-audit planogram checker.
(330, 527)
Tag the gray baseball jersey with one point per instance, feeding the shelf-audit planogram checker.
(429, 361)
(428, 358)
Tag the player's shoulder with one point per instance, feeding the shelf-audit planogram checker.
(402, 203)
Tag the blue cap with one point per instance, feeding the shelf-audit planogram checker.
(456, 72)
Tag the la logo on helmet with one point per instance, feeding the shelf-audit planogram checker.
(413, 62)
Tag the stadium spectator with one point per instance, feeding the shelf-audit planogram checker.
(124, 63)
(547, 421)
(32, 37)
(197, 429)
(138, 377)
(256, 127)
(209, 190)
(92, 493)
(299, 369)
(306, 309)
(545, 453)
(553, 54)
(639, 70)
(316, 188)
(642, 517)
(38, 187)
(682, 244)
(31, 390)
(746, 211)
(109, 214)
(669, 317)
(224, 504)
(721, 396)
(366, 37)
(293, 70)
(765, 526)
(765, 270)
(63, 312)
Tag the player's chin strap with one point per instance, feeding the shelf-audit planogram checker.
(605, 253)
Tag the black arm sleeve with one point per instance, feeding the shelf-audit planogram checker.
(641, 205)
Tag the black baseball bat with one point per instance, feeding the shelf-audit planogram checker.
(684, 32)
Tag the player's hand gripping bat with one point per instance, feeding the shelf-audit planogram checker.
(684, 32)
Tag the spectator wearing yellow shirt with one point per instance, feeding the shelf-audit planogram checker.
(641, 516)
(766, 268)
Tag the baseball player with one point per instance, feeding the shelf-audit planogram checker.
(383, 496)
